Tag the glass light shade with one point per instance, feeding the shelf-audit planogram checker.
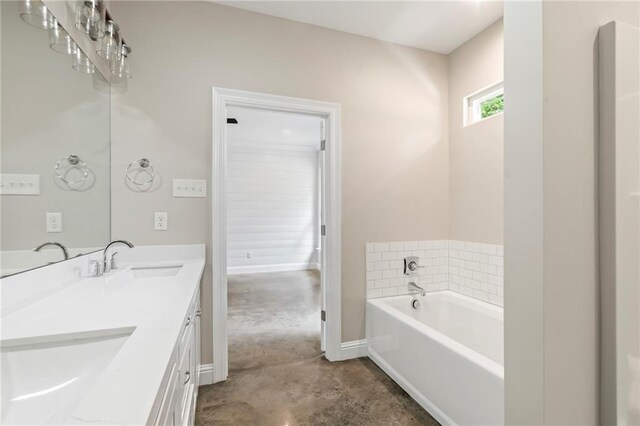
(83, 64)
(60, 41)
(90, 18)
(36, 14)
(108, 46)
(120, 65)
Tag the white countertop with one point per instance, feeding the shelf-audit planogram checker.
(153, 308)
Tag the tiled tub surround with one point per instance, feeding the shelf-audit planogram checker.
(472, 269)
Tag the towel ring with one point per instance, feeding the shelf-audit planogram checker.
(72, 162)
(142, 164)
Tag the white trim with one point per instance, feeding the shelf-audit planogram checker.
(330, 112)
(205, 374)
(353, 349)
(283, 267)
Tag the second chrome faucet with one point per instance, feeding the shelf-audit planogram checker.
(97, 268)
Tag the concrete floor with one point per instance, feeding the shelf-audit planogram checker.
(277, 373)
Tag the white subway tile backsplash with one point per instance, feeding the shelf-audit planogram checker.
(374, 275)
(374, 293)
(381, 266)
(469, 268)
(380, 247)
(390, 291)
(411, 245)
(389, 255)
(389, 273)
(396, 246)
(374, 257)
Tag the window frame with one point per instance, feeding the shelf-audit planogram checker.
(471, 103)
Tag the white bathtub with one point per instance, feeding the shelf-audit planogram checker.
(447, 354)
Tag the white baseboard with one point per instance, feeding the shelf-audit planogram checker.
(205, 373)
(284, 267)
(353, 349)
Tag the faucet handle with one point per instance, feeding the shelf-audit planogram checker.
(94, 268)
(413, 266)
(113, 262)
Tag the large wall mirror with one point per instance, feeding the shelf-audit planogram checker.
(55, 150)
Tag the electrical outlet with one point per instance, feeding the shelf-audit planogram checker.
(191, 188)
(249, 255)
(161, 221)
(19, 184)
(54, 222)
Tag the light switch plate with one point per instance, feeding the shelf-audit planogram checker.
(19, 184)
(54, 222)
(191, 188)
(161, 221)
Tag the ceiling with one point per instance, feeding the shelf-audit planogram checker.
(437, 26)
(273, 127)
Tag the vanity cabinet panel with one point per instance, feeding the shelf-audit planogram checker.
(166, 416)
(179, 402)
(197, 343)
(186, 374)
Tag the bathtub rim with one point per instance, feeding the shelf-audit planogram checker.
(472, 356)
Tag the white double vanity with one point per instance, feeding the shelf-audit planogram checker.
(120, 348)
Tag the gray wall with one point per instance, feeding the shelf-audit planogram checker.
(476, 151)
(394, 126)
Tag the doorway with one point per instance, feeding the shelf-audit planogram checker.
(328, 218)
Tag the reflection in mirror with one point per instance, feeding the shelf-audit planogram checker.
(54, 147)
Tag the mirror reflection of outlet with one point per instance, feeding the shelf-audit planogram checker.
(54, 222)
(160, 221)
(249, 255)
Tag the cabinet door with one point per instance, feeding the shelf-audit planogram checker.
(187, 376)
(196, 336)
(166, 415)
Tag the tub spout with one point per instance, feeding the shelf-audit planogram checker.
(415, 288)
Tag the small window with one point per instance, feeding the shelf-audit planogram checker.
(484, 104)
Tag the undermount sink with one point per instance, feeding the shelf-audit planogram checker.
(152, 271)
(42, 381)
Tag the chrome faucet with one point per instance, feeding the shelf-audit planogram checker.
(53, 243)
(416, 287)
(106, 267)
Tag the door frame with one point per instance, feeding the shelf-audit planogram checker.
(330, 112)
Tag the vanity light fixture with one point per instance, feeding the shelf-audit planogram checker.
(91, 18)
(36, 14)
(60, 41)
(120, 65)
(109, 44)
(83, 64)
